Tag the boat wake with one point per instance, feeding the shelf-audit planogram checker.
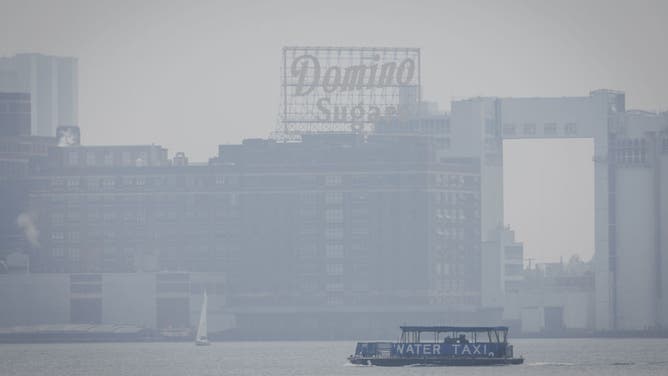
(348, 364)
(550, 364)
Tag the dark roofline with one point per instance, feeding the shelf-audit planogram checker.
(452, 328)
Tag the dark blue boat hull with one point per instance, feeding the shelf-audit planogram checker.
(433, 361)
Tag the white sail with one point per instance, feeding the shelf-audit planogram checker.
(202, 337)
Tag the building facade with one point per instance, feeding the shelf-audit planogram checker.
(53, 85)
(629, 166)
(146, 300)
(341, 228)
(14, 114)
(19, 156)
(333, 224)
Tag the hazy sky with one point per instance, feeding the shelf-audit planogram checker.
(190, 75)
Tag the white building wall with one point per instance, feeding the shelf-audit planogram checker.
(34, 299)
(571, 117)
(575, 117)
(466, 129)
(567, 117)
(636, 290)
(663, 233)
(492, 275)
(470, 138)
(533, 319)
(600, 117)
(129, 299)
(578, 310)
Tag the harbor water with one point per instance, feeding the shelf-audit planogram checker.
(605, 357)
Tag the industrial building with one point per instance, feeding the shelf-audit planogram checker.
(347, 231)
(333, 224)
(631, 248)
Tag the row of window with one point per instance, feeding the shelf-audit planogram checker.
(630, 157)
(264, 181)
(14, 107)
(73, 254)
(435, 125)
(18, 147)
(513, 269)
(93, 158)
(549, 129)
(451, 198)
(456, 214)
(334, 269)
(222, 200)
(456, 181)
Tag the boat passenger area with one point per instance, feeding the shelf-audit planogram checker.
(490, 342)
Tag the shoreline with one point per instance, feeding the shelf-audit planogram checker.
(46, 338)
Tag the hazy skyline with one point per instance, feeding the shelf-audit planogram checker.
(192, 75)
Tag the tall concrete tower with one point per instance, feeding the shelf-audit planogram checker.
(639, 181)
(53, 85)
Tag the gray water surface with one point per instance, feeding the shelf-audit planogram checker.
(607, 357)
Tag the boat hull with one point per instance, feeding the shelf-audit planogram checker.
(451, 361)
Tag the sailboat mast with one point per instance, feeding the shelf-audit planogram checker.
(201, 328)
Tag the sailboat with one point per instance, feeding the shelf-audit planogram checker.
(201, 339)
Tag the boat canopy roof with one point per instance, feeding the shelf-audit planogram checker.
(493, 334)
(453, 328)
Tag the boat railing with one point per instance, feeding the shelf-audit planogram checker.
(453, 334)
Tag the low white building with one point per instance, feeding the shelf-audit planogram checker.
(146, 300)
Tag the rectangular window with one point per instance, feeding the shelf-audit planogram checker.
(514, 253)
(126, 158)
(334, 216)
(73, 158)
(334, 269)
(333, 180)
(334, 287)
(529, 129)
(509, 129)
(108, 182)
(90, 158)
(550, 129)
(334, 300)
(513, 269)
(570, 129)
(86, 288)
(75, 254)
(57, 252)
(334, 250)
(334, 233)
(333, 198)
(108, 159)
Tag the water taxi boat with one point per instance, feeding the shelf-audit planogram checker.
(440, 346)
